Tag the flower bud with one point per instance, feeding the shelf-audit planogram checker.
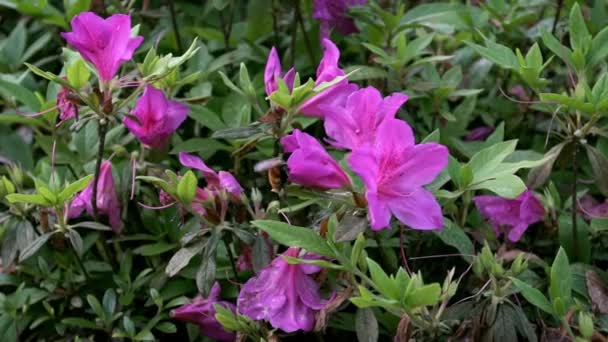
(519, 265)
(585, 324)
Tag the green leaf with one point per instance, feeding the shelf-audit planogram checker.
(73, 188)
(33, 247)
(485, 162)
(454, 236)
(294, 236)
(539, 174)
(533, 296)
(76, 241)
(78, 74)
(186, 189)
(81, 323)
(96, 306)
(31, 199)
(15, 43)
(599, 48)
(578, 29)
(556, 47)
(424, 296)
(509, 186)
(366, 325)
(181, 259)
(74, 7)
(497, 54)
(580, 252)
(205, 276)
(20, 93)
(384, 283)
(561, 277)
(154, 249)
(599, 165)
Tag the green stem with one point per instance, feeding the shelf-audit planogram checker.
(574, 200)
(80, 264)
(304, 33)
(178, 39)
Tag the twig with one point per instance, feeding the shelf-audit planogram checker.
(178, 39)
(304, 33)
(294, 38)
(560, 4)
(574, 201)
(402, 250)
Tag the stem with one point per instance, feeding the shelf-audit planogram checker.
(304, 33)
(560, 4)
(102, 141)
(231, 257)
(294, 38)
(275, 23)
(402, 250)
(383, 255)
(465, 209)
(574, 201)
(178, 39)
(80, 264)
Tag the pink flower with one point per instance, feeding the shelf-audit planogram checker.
(106, 43)
(334, 14)
(283, 294)
(479, 133)
(310, 165)
(215, 181)
(327, 71)
(67, 108)
(202, 312)
(158, 118)
(511, 216)
(273, 71)
(394, 171)
(108, 203)
(357, 122)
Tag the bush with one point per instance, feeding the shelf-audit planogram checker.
(266, 170)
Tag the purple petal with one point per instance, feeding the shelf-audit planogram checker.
(420, 210)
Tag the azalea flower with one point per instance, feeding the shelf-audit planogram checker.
(394, 171)
(327, 71)
(215, 181)
(310, 165)
(511, 216)
(201, 311)
(158, 118)
(357, 122)
(274, 71)
(106, 43)
(334, 14)
(108, 203)
(479, 133)
(284, 295)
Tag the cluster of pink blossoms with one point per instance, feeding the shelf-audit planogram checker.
(382, 152)
(107, 44)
